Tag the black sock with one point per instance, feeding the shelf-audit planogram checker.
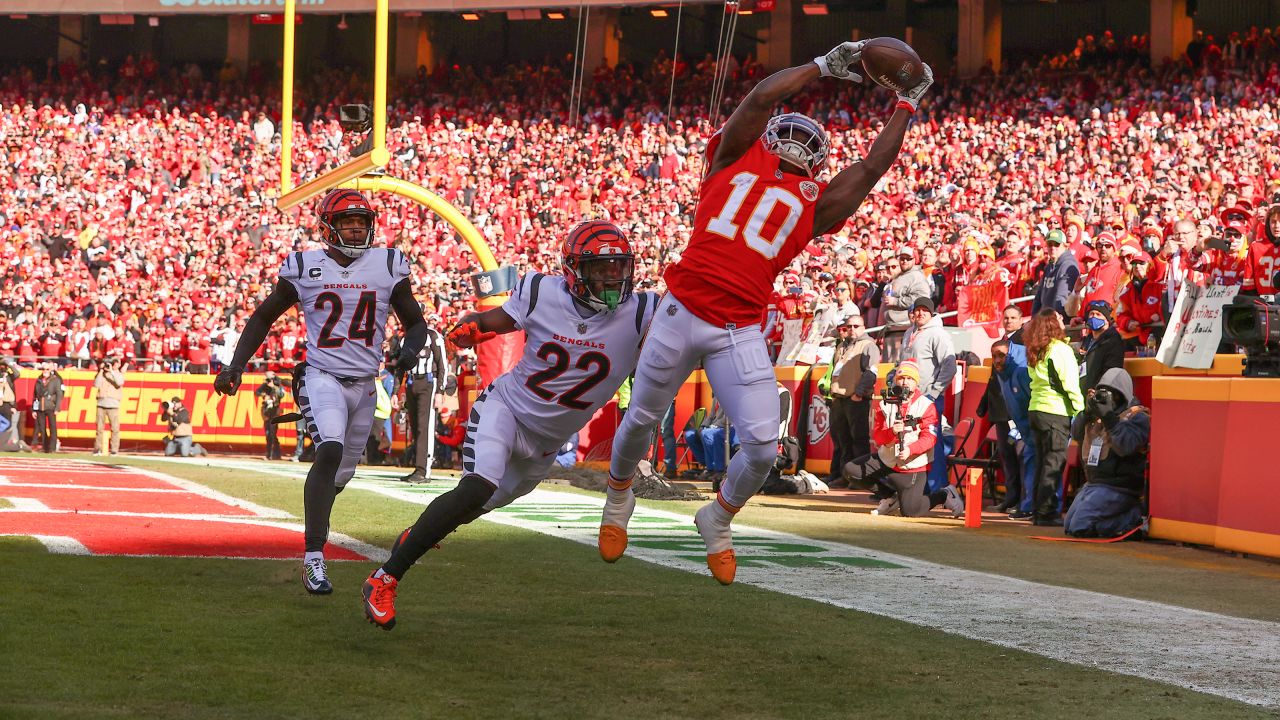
(445, 514)
(318, 494)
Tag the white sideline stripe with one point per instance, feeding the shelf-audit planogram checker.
(24, 504)
(56, 543)
(210, 493)
(1231, 657)
(1218, 654)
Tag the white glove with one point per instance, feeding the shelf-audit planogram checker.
(912, 96)
(842, 61)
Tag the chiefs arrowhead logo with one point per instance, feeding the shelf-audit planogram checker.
(809, 190)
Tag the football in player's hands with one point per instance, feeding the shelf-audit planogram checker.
(891, 63)
(228, 381)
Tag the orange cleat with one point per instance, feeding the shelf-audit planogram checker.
(612, 542)
(723, 565)
(380, 600)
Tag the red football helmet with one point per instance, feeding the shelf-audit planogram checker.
(598, 264)
(341, 204)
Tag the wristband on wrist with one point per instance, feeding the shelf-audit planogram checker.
(904, 105)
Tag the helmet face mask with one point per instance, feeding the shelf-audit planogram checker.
(598, 265)
(797, 139)
(347, 222)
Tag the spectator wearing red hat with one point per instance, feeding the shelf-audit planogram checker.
(1140, 312)
(1104, 279)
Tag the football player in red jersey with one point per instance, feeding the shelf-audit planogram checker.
(760, 204)
(1264, 257)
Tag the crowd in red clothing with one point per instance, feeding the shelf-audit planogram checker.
(138, 212)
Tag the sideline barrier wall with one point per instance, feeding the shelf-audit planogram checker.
(222, 423)
(1212, 480)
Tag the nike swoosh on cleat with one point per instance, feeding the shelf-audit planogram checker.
(374, 610)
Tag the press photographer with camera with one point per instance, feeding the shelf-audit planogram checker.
(181, 432)
(1111, 439)
(270, 395)
(904, 429)
(109, 385)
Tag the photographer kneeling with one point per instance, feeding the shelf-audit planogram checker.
(1111, 439)
(904, 431)
(179, 441)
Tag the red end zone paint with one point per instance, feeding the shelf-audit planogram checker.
(123, 511)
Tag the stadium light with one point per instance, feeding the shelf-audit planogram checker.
(555, 15)
(745, 12)
(658, 12)
(342, 23)
(470, 16)
(814, 8)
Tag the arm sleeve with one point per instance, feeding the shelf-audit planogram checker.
(284, 296)
(410, 315)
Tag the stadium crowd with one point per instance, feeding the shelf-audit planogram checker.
(138, 217)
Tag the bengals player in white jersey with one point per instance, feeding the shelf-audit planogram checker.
(582, 336)
(761, 202)
(344, 292)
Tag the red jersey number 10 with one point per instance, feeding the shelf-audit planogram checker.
(722, 224)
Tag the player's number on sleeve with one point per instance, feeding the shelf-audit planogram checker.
(558, 356)
(362, 322)
(723, 223)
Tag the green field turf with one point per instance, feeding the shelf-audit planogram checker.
(507, 623)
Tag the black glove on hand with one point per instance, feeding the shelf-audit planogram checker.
(228, 381)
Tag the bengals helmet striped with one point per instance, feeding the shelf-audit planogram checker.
(337, 205)
(598, 264)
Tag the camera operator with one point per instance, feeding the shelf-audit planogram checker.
(1111, 436)
(180, 431)
(270, 394)
(109, 384)
(904, 429)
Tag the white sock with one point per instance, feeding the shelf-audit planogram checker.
(618, 507)
(379, 573)
(714, 527)
(313, 555)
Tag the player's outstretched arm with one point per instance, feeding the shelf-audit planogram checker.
(474, 328)
(747, 122)
(851, 186)
(409, 313)
(284, 296)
